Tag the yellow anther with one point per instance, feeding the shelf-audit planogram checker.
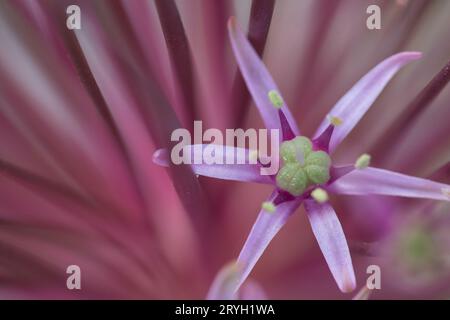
(319, 195)
(275, 98)
(335, 121)
(363, 161)
(268, 206)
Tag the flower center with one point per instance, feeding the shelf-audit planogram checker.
(301, 166)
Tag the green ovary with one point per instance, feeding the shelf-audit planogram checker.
(302, 167)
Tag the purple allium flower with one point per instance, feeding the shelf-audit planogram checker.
(307, 173)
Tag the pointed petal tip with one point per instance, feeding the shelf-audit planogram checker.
(348, 283)
(232, 23)
(160, 157)
(351, 107)
(390, 183)
(410, 55)
(332, 242)
(258, 80)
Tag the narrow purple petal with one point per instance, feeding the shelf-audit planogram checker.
(384, 182)
(223, 154)
(330, 236)
(355, 103)
(263, 231)
(258, 79)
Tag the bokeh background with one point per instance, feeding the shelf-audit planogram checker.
(82, 111)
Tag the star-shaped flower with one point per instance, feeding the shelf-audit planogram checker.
(307, 173)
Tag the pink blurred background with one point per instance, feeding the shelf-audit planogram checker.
(82, 111)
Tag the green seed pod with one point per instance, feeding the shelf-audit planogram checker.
(318, 158)
(302, 167)
(317, 174)
(303, 144)
(288, 152)
(292, 178)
